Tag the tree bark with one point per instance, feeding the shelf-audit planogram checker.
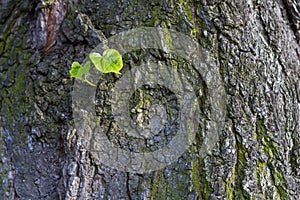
(255, 46)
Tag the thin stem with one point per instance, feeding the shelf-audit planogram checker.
(90, 83)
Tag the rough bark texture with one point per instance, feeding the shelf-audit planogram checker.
(256, 47)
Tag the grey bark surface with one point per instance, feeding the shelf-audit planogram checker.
(256, 47)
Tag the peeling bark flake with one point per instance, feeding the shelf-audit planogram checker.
(56, 14)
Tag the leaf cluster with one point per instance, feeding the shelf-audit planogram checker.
(110, 61)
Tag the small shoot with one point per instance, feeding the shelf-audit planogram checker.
(79, 72)
(111, 61)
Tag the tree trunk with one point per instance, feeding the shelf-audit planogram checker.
(254, 47)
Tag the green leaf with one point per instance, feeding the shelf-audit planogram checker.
(79, 72)
(111, 61)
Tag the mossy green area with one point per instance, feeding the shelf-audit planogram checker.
(279, 182)
(261, 174)
(229, 185)
(266, 173)
(14, 101)
(16, 98)
(173, 187)
(188, 9)
(276, 174)
(167, 37)
(238, 191)
(198, 179)
(268, 146)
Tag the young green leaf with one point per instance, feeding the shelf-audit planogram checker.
(79, 72)
(111, 61)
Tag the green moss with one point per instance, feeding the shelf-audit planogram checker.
(261, 172)
(198, 178)
(159, 187)
(15, 99)
(172, 187)
(264, 138)
(271, 150)
(279, 182)
(277, 177)
(6, 30)
(167, 39)
(156, 18)
(1, 47)
(239, 192)
(195, 178)
(189, 15)
(188, 12)
(229, 187)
